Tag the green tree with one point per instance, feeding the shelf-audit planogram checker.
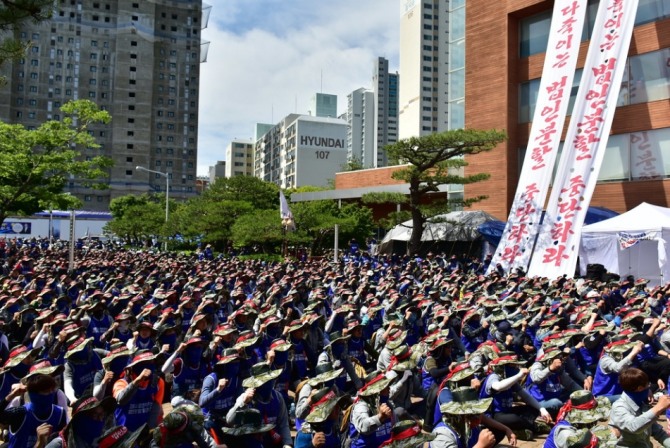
(141, 222)
(14, 14)
(262, 228)
(35, 165)
(260, 194)
(395, 217)
(435, 160)
(210, 221)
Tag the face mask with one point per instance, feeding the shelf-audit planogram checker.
(412, 318)
(272, 332)
(170, 339)
(29, 318)
(20, 370)
(138, 369)
(281, 358)
(265, 390)
(193, 355)
(88, 428)
(329, 384)
(639, 398)
(40, 401)
(510, 371)
(338, 350)
(383, 399)
(98, 314)
(117, 365)
(124, 326)
(13, 309)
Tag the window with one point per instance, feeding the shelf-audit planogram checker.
(93, 69)
(129, 146)
(129, 172)
(129, 159)
(649, 80)
(34, 62)
(158, 163)
(91, 94)
(93, 56)
(88, 198)
(94, 43)
(131, 133)
(92, 82)
(534, 34)
(133, 43)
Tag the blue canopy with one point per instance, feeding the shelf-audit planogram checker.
(492, 230)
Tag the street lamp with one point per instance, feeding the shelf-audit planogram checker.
(167, 192)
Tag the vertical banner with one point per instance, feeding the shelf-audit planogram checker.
(586, 140)
(523, 223)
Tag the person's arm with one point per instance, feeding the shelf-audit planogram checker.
(168, 366)
(501, 385)
(622, 418)
(494, 424)
(351, 371)
(539, 373)
(303, 405)
(362, 421)
(241, 401)
(13, 417)
(609, 365)
(527, 398)
(397, 386)
(433, 370)
(67, 383)
(123, 391)
(659, 434)
(209, 391)
(444, 439)
(282, 423)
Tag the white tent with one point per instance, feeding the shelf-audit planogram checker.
(458, 226)
(634, 243)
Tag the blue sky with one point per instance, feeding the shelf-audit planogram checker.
(267, 58)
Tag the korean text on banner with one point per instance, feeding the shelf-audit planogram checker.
(557, 247)
(517, 240)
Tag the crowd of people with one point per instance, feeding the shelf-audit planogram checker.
(140, 349)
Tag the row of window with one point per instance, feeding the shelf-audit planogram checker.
(636, 156)
(534, 30)
(646, 78)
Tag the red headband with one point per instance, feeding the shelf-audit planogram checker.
(568, 406)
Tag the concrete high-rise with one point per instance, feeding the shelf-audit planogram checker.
(240, 158)
(385, 90)
(360, 133)
(140, 60)
(301, 150)
(324, 105)
(424, 65)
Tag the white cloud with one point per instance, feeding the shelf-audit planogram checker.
(267, 59)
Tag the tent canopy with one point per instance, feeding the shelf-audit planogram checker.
(460, 226)
(493, 230)
(633, 243)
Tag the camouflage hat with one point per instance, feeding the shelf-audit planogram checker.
(248, 421)
(460, 372)
(280, 345)
(77, 346)
(325, 400)
(296, 325)
(337, 336)
(260, 374)
(141, 357)
(375, 385)
(17, 355)
(606, 437)
(324, 373)
(619, 347)
(395, 339)
(550, 354)
(119, 437)
(118, 353)
(229, 355)
(246, 339)
(466, 401)
(402, 359)
(407, 434)
(582, 438)
(224, 330)
(43, 367)
(583, 407)
(505, 360)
